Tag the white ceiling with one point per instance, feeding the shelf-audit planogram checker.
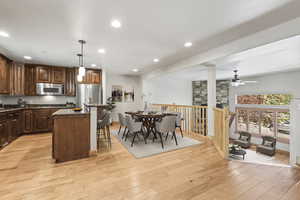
(48, 30)
(275, 57)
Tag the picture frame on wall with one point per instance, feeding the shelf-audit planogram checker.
(129, 94)
(117, 93)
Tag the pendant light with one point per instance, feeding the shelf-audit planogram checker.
(81, 66)
(80, 72)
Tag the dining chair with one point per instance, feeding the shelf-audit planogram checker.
(134, 128)
(167, 125)
(103, 125)
(122, 122)
(178, 122)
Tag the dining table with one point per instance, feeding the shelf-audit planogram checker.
(149, 120)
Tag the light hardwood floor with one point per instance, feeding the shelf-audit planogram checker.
(28, 172)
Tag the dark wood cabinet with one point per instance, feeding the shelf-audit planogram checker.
(27, 121)
(43, 74)
(70, 84)
(13, 129)
(92, 76)
(17, 79)
(41, 120)
(58, 75)
(10, 127)
(50, 74)
(38, 120)
(4, 74)
(3, 132)
(30, 80)
(71, 137)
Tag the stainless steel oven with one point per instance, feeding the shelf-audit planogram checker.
(48, 89)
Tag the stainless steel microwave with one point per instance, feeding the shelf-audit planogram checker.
(48, 89)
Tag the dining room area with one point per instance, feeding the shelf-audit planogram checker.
(146, 133)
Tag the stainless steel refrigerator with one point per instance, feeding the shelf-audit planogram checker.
(89, 94)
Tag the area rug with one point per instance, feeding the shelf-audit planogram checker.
(141, 150)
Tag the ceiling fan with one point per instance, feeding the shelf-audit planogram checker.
(235, 82)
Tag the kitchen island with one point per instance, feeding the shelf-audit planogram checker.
(71, 135)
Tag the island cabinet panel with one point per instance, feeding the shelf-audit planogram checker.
(4, 75)
(58, 75)
(43, 74)
(70, 85)
(71, 137)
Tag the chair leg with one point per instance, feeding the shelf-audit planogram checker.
(108, 134)
(174, 135)
(126, 135)
(161, 140)
(145, 137)
(104, 132)
(135, 134)
(124, 132)
(119, 129)
(167, 136)
(181, 131)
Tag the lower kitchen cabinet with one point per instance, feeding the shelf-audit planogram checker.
(10, 127)
(3, 133)
(27, 121)
(41, 120)
(37, 120)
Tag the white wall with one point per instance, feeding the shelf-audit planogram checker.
(125, 81)
(168, 90)
(282, 82)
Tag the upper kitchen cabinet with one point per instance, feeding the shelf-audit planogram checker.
(58, 75)
(17, 79)
(4, 74)
(49, 74)
(30, 82)
(43, 74)
(70, 84)
(92, 76)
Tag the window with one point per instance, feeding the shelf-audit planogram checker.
(265, 99)
(264, 122)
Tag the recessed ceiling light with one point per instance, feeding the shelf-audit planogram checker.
(4, 34)
(116, 23)
(135, 70)
(156, 60)
(28, 57)
(93, 65)
(188, 44)
(102, 51)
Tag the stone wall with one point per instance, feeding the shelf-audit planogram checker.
(200, 92)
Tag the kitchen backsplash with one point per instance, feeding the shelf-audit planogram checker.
(38, 99)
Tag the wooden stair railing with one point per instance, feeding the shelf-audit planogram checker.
(194, 118)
